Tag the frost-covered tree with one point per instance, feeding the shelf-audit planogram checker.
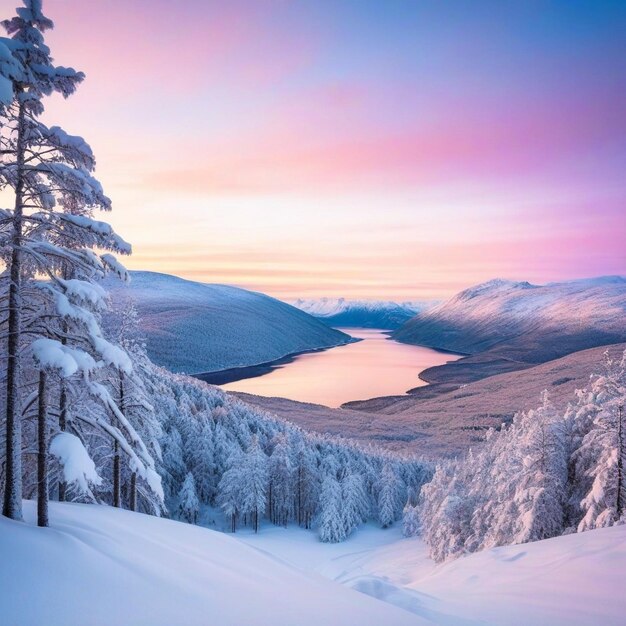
(541, 484)
(51, 233)
(331, 523)
(281, 479)
(29, 149)
(389, 503)
(602, 451)
(189, 505)
(355, 502)
(255, 480)
(307, 484)
(410, 520)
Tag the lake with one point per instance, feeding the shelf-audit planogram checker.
(375, 366)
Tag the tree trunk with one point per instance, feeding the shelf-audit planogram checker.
(117, 493)
(63, 405)
(42, 454)
(62, 428)
(133, 492)
(117, 470)
(12, 505)
(620, 463)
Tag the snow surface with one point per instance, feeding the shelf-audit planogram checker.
(361, 313)
(574, 580)
(101, 566)
(194, 328)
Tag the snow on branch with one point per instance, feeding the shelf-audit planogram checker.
(78, 467)
(52, 354)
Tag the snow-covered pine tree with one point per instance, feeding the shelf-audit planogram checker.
(331, 524)
(53, 234)
(22, 144)
(189, 505)
(280, 489)
(307, 484)
(388, 496)
(410, 520)
(134, 403)
(603, 449)
(255, 481)
(446, 512)
(541, 485)
(231, 489)
(355, 503)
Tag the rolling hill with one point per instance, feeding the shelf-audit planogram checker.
(507, 325)
(193, 327)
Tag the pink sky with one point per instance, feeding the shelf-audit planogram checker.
(361, 149)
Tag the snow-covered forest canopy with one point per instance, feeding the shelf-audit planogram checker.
(546, 474)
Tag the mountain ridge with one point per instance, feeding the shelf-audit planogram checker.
(196, 327)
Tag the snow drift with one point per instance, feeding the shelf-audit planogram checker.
(192, 327)
(101, 566)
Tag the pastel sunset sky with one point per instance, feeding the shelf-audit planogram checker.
(397, 149)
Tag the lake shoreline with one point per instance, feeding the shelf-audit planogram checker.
(372, 364)
(233, 374)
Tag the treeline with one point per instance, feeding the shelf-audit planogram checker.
(220, 452)
(548, 473)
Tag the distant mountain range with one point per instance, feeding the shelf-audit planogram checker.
(513, 324)
(194, 327)
(339, 312)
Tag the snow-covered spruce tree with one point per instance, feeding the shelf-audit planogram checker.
(281, 482)
(602, 451)
(134, 403)
(410, 520)
(389, 502)
(50, 233)
(255, 480)
(307, 483)
(355, 503)
(231, 487)
(189, 505)
(541, 486)
(446, 512)
(331, 523)
(21, 144)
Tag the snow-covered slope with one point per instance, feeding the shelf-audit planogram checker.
(192, 327)
(520, 321)
(340, 312)
(574, 580)
(101, 566)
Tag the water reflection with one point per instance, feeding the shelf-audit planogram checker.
(376, 366)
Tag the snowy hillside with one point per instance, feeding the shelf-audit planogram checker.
(567, 581)
(340, 312)
(120, 568)
(520, 321)
(101, 566)
(192, 327)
